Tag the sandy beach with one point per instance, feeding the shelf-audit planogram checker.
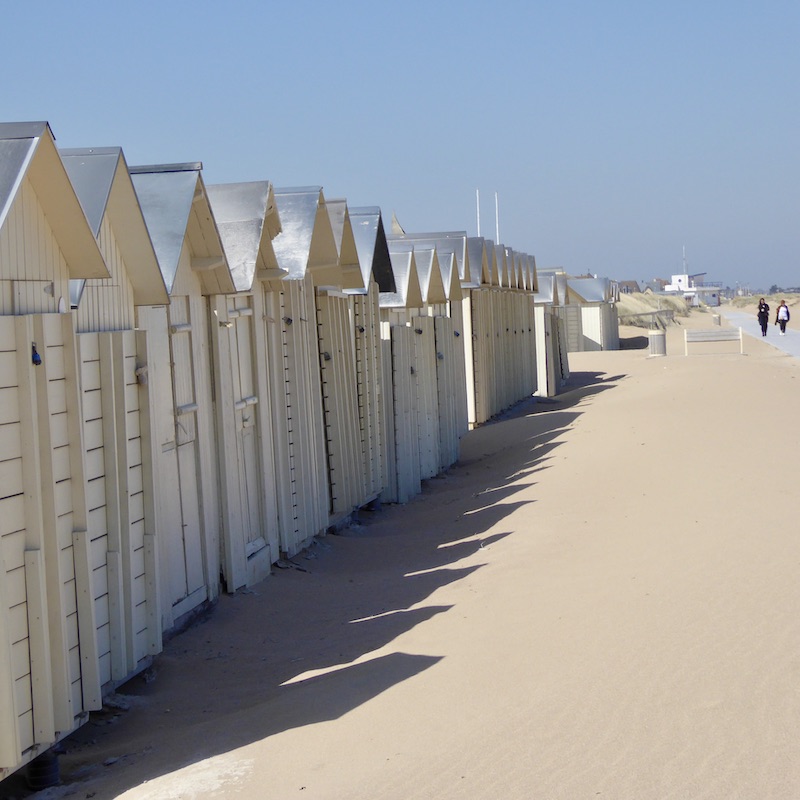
(600, 600)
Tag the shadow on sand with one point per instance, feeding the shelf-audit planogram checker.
(300, 647)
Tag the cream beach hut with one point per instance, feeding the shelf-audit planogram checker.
(599, 319)
(247, 219)
(49, 662)
(306, 251)
(349, 377)
(402, 476)
(376, 270)
(175, 204)
(552, 363)
(116, 407)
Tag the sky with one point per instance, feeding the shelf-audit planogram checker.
(617, 136)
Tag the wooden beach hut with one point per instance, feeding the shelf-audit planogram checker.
(377, 276)
(596, 298)
(247, 219)
(49, 662)
(552, 363)
(402, 476)
(122, 520)
(306, 251)
(344, 384)
(192, 261)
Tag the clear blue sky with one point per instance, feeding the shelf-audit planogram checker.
(615, 133)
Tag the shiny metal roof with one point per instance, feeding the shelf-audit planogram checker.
(14, 156)
(352, 277)
(91, 172)
(408, 293)
(168, 194)
(430, 275)
(547, 292)
(445, 242)
(373, 251)
(240, 210)
(591, 290)
(306, 240)
(476, 247)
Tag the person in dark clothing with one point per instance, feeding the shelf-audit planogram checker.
(763, 315)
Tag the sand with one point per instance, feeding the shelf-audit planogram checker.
(600, 600)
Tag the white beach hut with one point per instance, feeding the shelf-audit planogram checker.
(122, 520)
(306, 251)
(192, 262)
(402, 477)
(599, 319)
(247, 219)
(49, 664)
(552, 363)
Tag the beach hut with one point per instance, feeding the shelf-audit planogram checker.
(343, 391)
(402, 476)
(596, 298)
(247, 219)
(49, 663)
(552, 362)
(306, 251)
(192, 261)
(377, 275)
(122, 518)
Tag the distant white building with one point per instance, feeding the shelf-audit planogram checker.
(693, 290)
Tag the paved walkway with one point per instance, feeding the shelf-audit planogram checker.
(790, 343)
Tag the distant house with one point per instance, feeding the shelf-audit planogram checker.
(628, 287)
(695, 291)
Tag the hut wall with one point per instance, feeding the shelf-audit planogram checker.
(120, 492)
(244, 429)
(572, 317)
(452, 390)
(370, 397)
(186, 469)
(403, 479)
(345, 455)
(107, 303)
(33, 272)
(427, 395)
(298, 424)
(49, 676)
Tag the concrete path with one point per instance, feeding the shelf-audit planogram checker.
(790, 343)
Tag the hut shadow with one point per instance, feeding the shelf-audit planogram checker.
(309, 644)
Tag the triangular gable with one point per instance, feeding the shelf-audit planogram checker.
(478, 261)
(373, 251)
(430, 275)
(450, 279)
(510, 276)
(499, 266)
(176, 209)
(103, 185)
(352, 277)
(306, 242)
(241, 211)
(408, 293)
(27, 149)
(547, 291)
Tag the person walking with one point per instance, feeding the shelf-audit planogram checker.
(763, 315)
(782, 316)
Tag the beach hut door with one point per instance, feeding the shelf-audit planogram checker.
(247, 445)
(186, 562)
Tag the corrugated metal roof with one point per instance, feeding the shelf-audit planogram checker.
(373, 251)
(476, 247)
(591, 290)
(240, 210)
(547, 290)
